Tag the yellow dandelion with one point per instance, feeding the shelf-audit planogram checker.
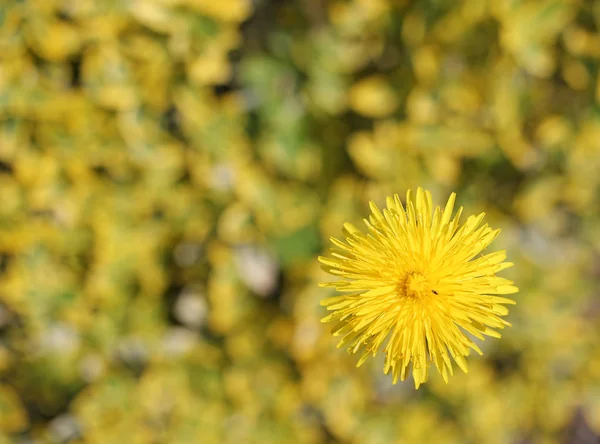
(418, 283)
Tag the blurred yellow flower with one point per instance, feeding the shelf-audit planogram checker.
(373, 97)
(415, 280)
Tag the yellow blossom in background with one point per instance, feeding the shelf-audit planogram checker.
(418, 281)
(373, 97)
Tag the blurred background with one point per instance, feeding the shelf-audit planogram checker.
(170, 169)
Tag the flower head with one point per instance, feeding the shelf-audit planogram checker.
(417, 282)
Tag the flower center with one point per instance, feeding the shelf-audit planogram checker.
(416, 286)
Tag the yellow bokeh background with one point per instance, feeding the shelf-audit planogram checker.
(170, 169)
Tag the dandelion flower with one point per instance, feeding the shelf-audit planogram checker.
(417, 282)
